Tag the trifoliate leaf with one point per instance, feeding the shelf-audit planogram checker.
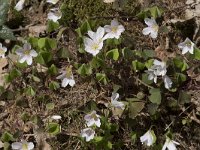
(113, 54)
(135, 106)
(53, 128)
(155, 96)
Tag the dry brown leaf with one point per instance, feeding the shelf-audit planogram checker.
(3, 63)
(36, 30)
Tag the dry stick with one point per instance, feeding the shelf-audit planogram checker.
(183, 111)
(149, 86)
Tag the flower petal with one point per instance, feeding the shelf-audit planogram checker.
(65, 82)
(147, 30)
(16, 145)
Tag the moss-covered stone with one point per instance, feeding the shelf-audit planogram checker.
(74, 12)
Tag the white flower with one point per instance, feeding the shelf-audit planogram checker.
(56, 117)
(54, 15)
(67, 77)
(187, 46)
(94, 44)
(149, 138)
(52, 1)
(170, 144)
(152, 28)
(3, 50)
(158, 69)
(114, 30)
(115, 103)
(19, 6)
(88, 133)
(26, 54)
(92, 119)
(108, 1)
(167, 82)
(23, 145)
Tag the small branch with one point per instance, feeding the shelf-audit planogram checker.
(137, 79)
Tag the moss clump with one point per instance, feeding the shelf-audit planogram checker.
(74, 12)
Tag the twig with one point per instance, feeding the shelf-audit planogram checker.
(149, 86)
(183, 111)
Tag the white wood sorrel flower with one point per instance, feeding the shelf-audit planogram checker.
(109, 1)
(159, 69)
(94, 43)
(187, 46)
(115, 103)
(26, 54)
(67, 77)
(152, 28)
(23, 145)
(3, 50)
(88, 133)
(170, 144)
(56, 117)
(52, 1)
(92, 119)
(149, 138)
(114, 30)
(20, 4)
(54, 14)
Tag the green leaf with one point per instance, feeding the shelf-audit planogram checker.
(30, 91)
(155, 96)
(155, 11)
(96, 62)
(114, 54)
(135, 106)
(64, 53)
(86, 26)
(52, 26)
(184, 97)
(53, 128)
(127, 53)
(47, 44)
(145, 79)
(4, 6)
(180, 77)
(197, 54)
(50, 106)
(7, 137)
(54, 85)
(148, 54)
(84, 70)
(180, 63)
(133, 136)
(137, 66)
(98, 139)
(44, 57)
(12, 75)
(6, 33)
(36, 79)
(53, 70)
(149, 63)
(101, 77)
(152, 108)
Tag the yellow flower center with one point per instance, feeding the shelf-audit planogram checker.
(94, 116)
(155, 27)
(188, 44)
(68, 72)
(114, 29)
(2, 52)
(27, 52)
(95, 46)
(24, 147)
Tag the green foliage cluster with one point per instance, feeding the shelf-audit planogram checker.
(77, 11)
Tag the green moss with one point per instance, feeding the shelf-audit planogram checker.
(74, 12)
